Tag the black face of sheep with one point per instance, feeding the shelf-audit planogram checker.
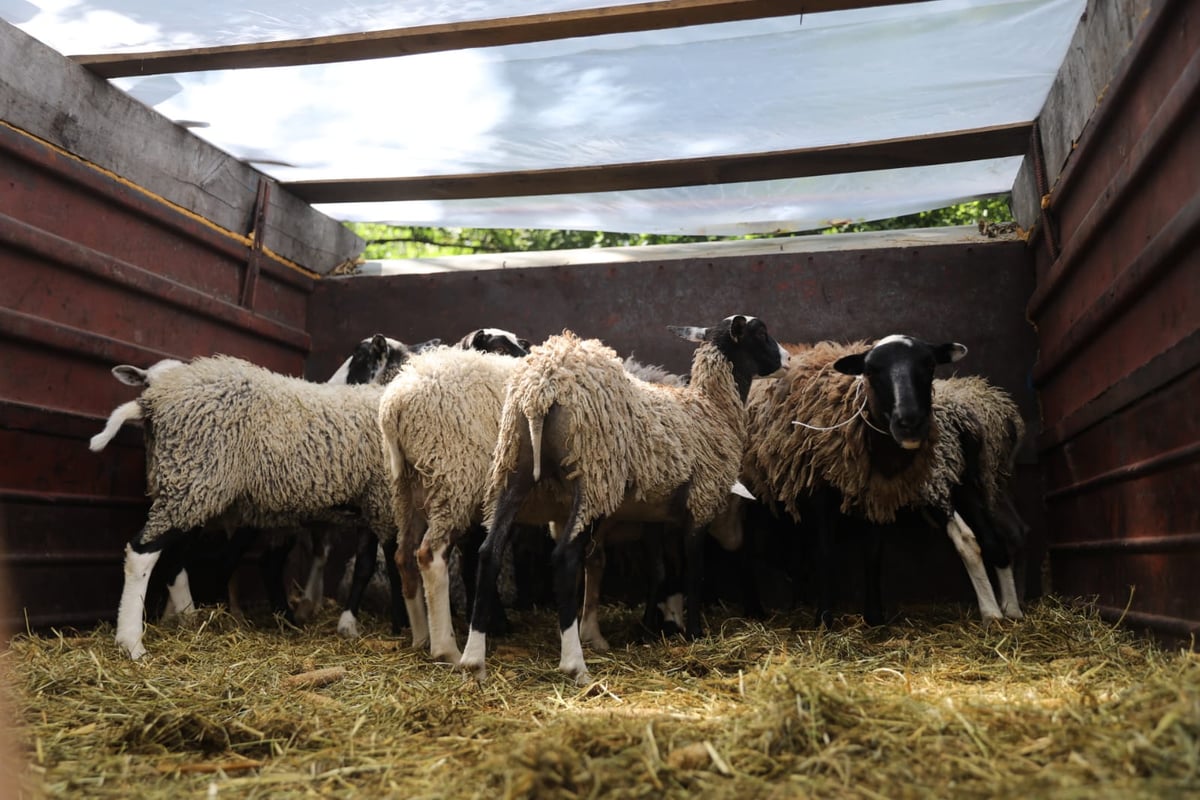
(745, 342)
(495, 340)
(898, 372)
(374, 355)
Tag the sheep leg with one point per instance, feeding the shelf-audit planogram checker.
(314, 586)
(567, 560)
(824, 512)
(431, 558)
(968, 549)
(399, 611)
(593, 576)
(240, 541)
(499, 536)
(975, 514)
(409, 569)
(179, 596)
(141, 554)
(364, 567)
(469, 549)
(872, 576)
(693, 540)
(274, 561)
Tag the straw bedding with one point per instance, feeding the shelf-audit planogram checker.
(1061, 705)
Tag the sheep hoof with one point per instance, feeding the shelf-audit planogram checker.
(598, 643)
(478, 671)
(583, 678)
(447, 657)
(135, 650)
(991, 619)
(347, 625)
(304, 612)
(1014, 613)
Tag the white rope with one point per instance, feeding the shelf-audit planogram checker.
(858, 389)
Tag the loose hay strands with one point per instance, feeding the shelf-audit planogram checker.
(1061, 704)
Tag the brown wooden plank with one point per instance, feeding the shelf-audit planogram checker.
(46, 95)
(912, 151)
(459, 35)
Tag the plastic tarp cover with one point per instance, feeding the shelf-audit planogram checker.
(742, 87)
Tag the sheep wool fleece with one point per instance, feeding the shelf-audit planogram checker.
(227, 437)
(623, 432)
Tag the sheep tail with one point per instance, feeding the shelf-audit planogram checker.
(393, 455)
(126, 412)
(535, 441)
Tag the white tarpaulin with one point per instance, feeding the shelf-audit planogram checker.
(741, 87)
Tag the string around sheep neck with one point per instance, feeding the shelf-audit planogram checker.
(858, 389)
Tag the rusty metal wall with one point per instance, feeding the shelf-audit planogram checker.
(972, 290)
(97, 272)
(1117, 307)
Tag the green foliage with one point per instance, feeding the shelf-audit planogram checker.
(410, 241)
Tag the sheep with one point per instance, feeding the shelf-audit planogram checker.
(870, 431)
(374, 360)
(229, 440)
(608, 440)
(495, 340)
(444, 397)
(438, 421)
(418, 393)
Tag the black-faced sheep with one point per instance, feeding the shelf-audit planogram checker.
(855, 429)
(604, 439)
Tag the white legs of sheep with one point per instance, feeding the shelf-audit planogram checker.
(968, 549)
(436, 577)
(179, 596)
(1010, 604)
(133, 601)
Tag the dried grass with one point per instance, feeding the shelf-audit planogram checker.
(1060, 705)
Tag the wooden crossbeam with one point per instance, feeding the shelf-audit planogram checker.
(459, 35)
(913, 151)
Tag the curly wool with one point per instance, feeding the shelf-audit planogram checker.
(969, 404)
(227, 439)
(785, 462)
(439, 420)
(623, 433)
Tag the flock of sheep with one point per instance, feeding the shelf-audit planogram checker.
(410, 447)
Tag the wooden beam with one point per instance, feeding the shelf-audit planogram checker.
(913, 151)
(460, 35)
(46, 95)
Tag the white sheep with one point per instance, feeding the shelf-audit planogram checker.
(230, 440)
(857, 429)
(438, 421)
(374, 360)
(605, 439)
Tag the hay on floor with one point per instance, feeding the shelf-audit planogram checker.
(1061, 704)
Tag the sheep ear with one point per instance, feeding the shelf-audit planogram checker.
(426, 345)
(949, 352)
(852, 364)
(525, 343)
(689, 332)
(737, 327)
(379, 345)
(129, 375)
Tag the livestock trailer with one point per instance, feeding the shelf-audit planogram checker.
(185, 200)
(127, 239)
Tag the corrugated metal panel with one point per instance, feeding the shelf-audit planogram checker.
(98, 272)
(1118, 314)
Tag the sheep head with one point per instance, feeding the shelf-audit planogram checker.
(898, 371)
